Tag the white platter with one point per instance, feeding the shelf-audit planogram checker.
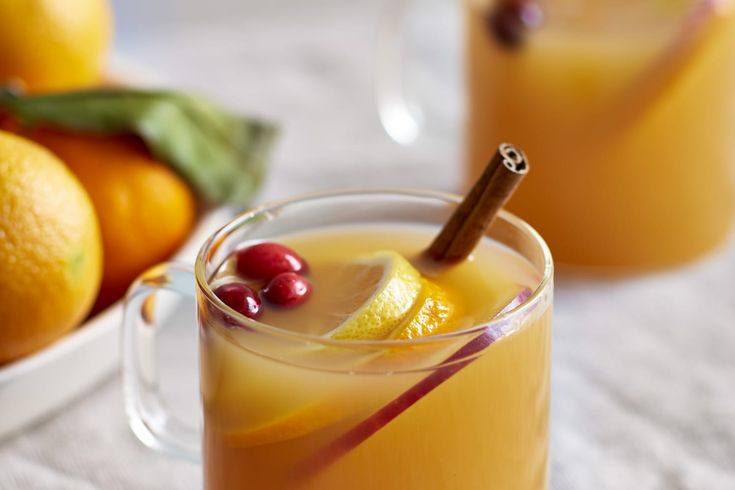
(36, 386)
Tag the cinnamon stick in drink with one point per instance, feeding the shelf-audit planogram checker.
(475, 214)
(454, 243)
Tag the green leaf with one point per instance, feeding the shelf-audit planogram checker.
(222, 155)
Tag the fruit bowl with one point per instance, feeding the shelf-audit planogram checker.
(47, 380)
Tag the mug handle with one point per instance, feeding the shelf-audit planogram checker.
(147, 414)
(401, 119)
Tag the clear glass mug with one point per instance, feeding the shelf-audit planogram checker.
(625, 107)
(462, 410)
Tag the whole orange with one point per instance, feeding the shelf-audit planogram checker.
(50, 248)
(146, 211)
(53, 45)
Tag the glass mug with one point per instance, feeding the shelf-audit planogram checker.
(625, 107)
(290, 410)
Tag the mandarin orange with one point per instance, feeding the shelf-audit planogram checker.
(146, 210)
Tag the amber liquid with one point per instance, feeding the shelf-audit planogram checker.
(272, 406)
(629, 134)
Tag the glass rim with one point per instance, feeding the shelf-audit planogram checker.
(447, 197)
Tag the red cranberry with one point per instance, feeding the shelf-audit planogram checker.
(264, 261)
(510, 21)
(241, 298)
(287, 289)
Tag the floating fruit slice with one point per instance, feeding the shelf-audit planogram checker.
(298, 423)
(434, 313)
(395, 286)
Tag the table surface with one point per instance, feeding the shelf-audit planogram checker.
(643, 368)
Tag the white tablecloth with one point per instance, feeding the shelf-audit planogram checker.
(644, 368)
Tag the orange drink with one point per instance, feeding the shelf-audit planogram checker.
(333, 354)
(294, 405)
(626, 110)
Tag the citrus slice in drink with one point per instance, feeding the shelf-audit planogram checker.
(381, 291)
(433, 313)
(297, 423)
(389, 298)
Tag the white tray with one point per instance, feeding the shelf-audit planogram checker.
(35, 386)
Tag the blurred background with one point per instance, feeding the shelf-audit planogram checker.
(311, 67)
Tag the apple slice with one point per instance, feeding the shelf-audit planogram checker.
(323, 457)
(702, 24)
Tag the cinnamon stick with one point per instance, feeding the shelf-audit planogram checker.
(475, 214)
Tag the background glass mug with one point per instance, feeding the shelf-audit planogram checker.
(284, 409)
(626, 109)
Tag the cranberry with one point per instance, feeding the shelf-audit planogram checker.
(241, 298)
(266, 260)
(287, 289)
(510, 21)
